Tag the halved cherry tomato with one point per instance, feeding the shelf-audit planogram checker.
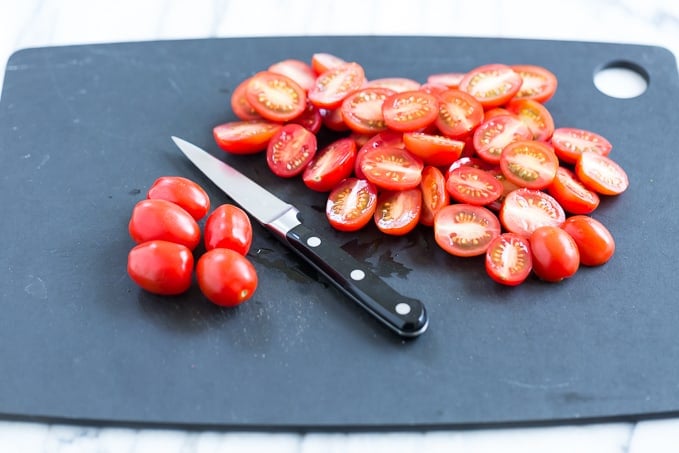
(321, 62)
(410, 110)
(392, 168)
(333, 120)
(465, 230)
(297, 70)
(276, 97)
(332, 86)
(398, 211)
(311, 118)
(470, 162)
(555, 254)
(473, 186)
(535, 115)
(331, 165)
(362, 110)
(228, 227)
(395, 84)
(183, 192)
(290, 150)
(433, 88)
(448, 79)
(601, 174)
(595, 243)
(494, 134)
(459, 113)
(508, 259)
(570, 142)
(226, 277)
(434, 194)
(529, 163)
(492, 85)
(241, 106)
(539, 83)
(245, 137)
(496, 111)
(351, 204)
(161, 219)
(388, 138)
(507, 186)
(161, 267)
(436, 150)
(571, 194)
(525, 210)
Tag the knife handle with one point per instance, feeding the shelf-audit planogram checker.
(404, 315)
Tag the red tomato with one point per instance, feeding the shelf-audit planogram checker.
(276, 97)
(595, 243)
(433, 88)
(388, 139)
(228, 227)
(492, 85)
(470, 162)
(434, 194)
(395, 84)
(311, 118)
(535, 115)
(569, 143)
(161, 267)
(473, 186)
(538, 84)
(333, 120)
(529, 164)
(226, 277)
(494, 134)
(496, 111)
(183, 192)
(392, 168)
(555, 254)
(351, 204)
(448, 79)
(321, 62)
(297, 70)
(459, 113)
(331, 165)
(332, 86)
(398, 212)
(465, 230)
(362, 110)
(410, 110)
(507, 186)
(290, 150)
(240, 105)
(525, 210)
(245, 137)
(434, 150)
(601, 174)
(508, 259)
(571, 194)
(163, 220)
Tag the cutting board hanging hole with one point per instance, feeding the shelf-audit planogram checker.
(621, 79)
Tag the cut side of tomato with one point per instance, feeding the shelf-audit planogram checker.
(410, 110)
(395, 84)
(601, 174)
(245, 137)
(508, 259)
(241, 106)
(574, 197)
(570, 142)
(448, 79)
(351, 205)
(539, 83)
(290, 150)
(473, 186)
(459, 113)
(494, 134)
(465, 230)
(398, 212)
(331, 165)
(297, 70)
(276, 97)
(535, 115)
(322, 62)
(332, 86)
(436, 150)
(492, 85)
(525, 210)
(529, 163)
(362, 110)
(388, 139)
(434, 194)
(392, 168)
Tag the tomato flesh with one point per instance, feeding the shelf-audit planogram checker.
(465, 230)
(229, 227)
(601, 174)
(494, 134)
(392, 168)
(332, 86)
(331, 165)
(539, 83)
(275, 96)
(508, 259)
(395, 84)
(574, 197)
(351, 204)
(459, 113)
(241, 106)
(473, 186)
(297, 70)
(525, 210)
(555, 254)
(492, 85)
(434, 194)
(161, 267)
(398, 212)
(290, 150)
(529, 164)
(362, 110)
(595, 243)
(410, 110)
(570, 142)
(436, 150)
(245, 137)
(226, 277)
(535, 116)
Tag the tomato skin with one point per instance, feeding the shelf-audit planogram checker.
(492, 85)
(508, 259)
(574, 197)
(310, 119)
(436, 150)
(555, 254)
(529, 164)
(333, 85)
(601, 174)
(465, 230)
(331, 165)
(161, 267)
(398, 212)
(225, 277)
(241, 106)
(595, 243)
(161, 219)
(434, 194)
(290, 150)
(459, 113)
(183, 192)
(333, 120)
(387, 138)
(362, 110)
(229, 227)
(245, 137)
(525, 210)
(569, 143)
(351, 204)
(494, 134)
(535, 115)
(539, 83)
(392, 168)
(275, 96)
(473, 186)
(410, 110)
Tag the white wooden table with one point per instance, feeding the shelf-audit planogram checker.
(31, 23)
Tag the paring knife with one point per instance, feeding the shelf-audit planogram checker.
(404, 315)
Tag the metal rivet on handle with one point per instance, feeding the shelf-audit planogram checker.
(402, 308)
(357, 275)
(313, 241)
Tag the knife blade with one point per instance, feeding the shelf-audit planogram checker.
(404, 315)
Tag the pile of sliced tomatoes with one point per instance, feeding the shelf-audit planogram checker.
(475, 155)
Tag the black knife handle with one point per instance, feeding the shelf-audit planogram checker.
(404, 315)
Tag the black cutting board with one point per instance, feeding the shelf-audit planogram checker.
(85, 130)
